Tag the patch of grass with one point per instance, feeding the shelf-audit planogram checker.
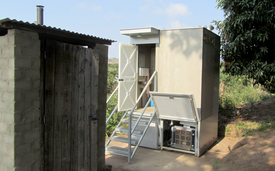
(250, 129)
(228, 131)
(237, 90)
(249, 132)
(215, 164)
(241, 125)
(266, 125)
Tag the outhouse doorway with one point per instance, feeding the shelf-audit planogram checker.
(71, 86)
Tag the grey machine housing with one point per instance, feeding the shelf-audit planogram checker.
(179, 116)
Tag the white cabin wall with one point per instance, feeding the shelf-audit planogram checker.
(179, 62)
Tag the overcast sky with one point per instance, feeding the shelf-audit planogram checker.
(105, 18)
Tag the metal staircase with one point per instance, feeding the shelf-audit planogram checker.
(133, 125)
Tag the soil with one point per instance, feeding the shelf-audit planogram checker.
(255, 152)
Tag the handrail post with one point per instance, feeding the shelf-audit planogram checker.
(129, 137)
(155, 82)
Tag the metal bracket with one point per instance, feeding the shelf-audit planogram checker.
(94, 117)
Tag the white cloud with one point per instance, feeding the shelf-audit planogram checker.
(85, 5)
(173, 10)
(96, 7)
(177, 25)
(82, 5)
(177, 10)
(144, 7)
(113, 16)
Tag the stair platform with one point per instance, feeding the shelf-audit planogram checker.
(134, 141)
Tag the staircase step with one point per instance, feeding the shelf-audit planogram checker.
(124, 130)
(143, 121)
(134, 141)
(117, 150)
(145, 115)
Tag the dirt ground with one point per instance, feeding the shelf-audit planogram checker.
(231, 152)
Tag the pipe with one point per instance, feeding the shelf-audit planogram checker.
(40, 14)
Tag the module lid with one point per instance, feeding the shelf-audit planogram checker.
(175, 106)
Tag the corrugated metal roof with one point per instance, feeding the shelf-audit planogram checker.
(53, 32)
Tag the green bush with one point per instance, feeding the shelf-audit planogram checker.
(113, 122)
(238, 90)
(111, 85)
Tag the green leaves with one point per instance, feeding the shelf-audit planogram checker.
(248, 39)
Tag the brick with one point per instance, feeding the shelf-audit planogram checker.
(10, 128)
(23, 63)
(7, 52)
(22, 127)
(8, 139)
(22, 116)
(36, 145)
(10, 151)
(21, 106)
(9, 108)
(11, 63)
(3, 128)
(11, 86)
(7, 97)
(4, 85)
(18, 73)
(9, 163)
(4, 40)
(36, 83)
(32, 135)
(36, 165)
(32, 73)
(36, 63)
(21, 148)
(7, 74)
(30, 52)
(3, 149)
(23, 85)
(4, 61)
(8, 118)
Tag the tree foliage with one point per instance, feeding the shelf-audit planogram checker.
(112, 74)
(248, 39)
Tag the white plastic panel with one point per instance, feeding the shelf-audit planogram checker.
(143, 71)
(128, 75)
(175, 106)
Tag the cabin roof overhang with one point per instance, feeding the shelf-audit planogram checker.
(53, 33)
(140, 31)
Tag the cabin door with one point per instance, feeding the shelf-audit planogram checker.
(128, 75)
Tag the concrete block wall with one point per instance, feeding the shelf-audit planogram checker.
(7, 102)
(19, 90)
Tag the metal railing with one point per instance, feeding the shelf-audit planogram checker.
(115, 109)
(130, 129)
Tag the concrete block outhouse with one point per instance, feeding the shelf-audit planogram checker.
(52, 113)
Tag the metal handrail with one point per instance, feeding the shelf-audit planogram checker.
(130, 132)
(144, 89)
(143, 111)
(141, 138)
(112, 95)
(115, 130)
(114, 110)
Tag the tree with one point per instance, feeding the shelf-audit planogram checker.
(248, 39)
(111, 80)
